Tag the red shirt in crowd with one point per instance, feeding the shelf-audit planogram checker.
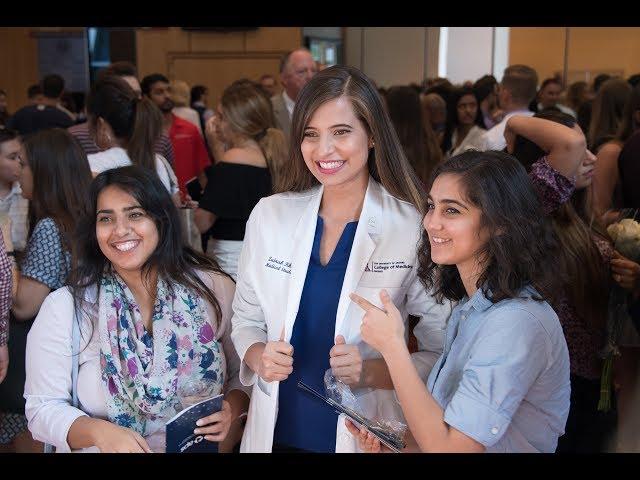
(190, 153)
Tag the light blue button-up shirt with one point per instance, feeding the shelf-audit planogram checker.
(503, 377)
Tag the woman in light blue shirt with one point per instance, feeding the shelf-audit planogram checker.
(502, 382)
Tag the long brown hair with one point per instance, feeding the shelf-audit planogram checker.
(629, 123)
(249, 113)
(575, 226)
(608, 108)
(387, 162)
(415, 134)
(61, 179)
(135, 121)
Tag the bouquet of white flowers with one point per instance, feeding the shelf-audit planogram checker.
(626, 238)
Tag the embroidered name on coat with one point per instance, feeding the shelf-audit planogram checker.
(279, 265)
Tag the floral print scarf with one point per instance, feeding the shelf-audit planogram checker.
(141, 372)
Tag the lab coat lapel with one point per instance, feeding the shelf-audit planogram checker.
(303, 243)
(361, 250)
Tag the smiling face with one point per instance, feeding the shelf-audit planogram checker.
(453, 224)
(126, 234)
(335, 146)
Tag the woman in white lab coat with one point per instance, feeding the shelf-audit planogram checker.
(349, 220)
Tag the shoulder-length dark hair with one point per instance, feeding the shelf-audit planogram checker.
(452, 114)
(387, 162)
(522, 244)
(135, 121)
(575, 225)
(172, 259)
(61, 179)
(416, 136)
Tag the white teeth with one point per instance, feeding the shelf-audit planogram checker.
(126, 246)
(440, 240)
(330, 165)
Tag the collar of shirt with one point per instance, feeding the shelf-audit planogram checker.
(479, 301)
(288, 103)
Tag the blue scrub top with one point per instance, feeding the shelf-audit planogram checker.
(305, 422)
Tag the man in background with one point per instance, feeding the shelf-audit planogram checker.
(35, 95)
(33, 118)
(515, 92)
(191, 156)
(296, 69)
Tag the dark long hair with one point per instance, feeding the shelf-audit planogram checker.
(452, 115)
(607, 113)
(629, 124)
(522, 244)
(575, 225)
(136, 121)
(172, 259)
(416, 136)
(387, 162)
(61, 179)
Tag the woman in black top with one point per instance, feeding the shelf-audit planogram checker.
(243, 173)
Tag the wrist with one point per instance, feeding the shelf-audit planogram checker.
(394, 347)
(96, 429)
(253, 356)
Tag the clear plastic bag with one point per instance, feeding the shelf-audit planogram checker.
(390, 432)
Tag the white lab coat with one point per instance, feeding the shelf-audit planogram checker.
(271, 274)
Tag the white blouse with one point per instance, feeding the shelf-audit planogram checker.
(117, 157)
(473, 141)
(49, 363)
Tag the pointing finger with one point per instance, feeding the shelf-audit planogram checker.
(365, 304)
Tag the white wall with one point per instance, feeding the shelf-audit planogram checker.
(389, 55)
(403, 55)
(468, 53)
(500, 51)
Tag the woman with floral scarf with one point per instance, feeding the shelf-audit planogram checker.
(153, 317)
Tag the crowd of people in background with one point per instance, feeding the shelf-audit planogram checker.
(153, 200)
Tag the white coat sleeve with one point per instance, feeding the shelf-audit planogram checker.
(248, 321)
(429, 331)
(48, 386)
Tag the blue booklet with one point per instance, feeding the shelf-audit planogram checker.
(180, 436)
